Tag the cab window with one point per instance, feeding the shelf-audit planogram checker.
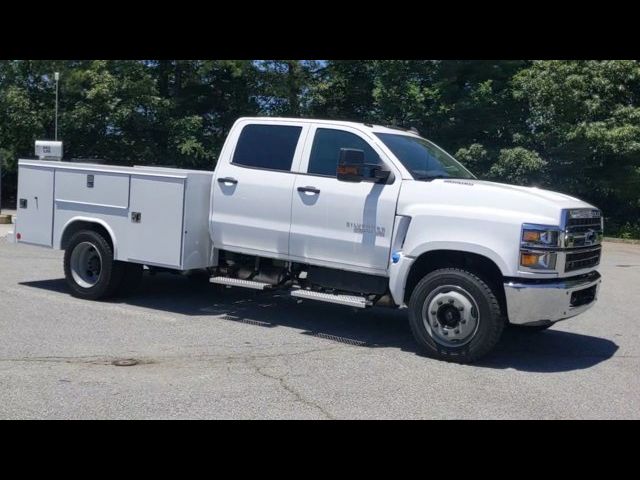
(325, 151)
(270, 147)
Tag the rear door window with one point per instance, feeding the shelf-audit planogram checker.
(270, 147)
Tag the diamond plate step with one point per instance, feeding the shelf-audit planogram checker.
(349, 300)
(236, 282)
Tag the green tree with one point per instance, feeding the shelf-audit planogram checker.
(519, 166)
(572, 126)
(200, 101)
(282, 86)
(26, 112)
(584, 119)
(343, 89)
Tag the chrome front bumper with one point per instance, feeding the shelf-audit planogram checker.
(536, 303)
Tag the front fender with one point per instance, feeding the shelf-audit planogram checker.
(458, 246)
(494, 237)
(399, 271)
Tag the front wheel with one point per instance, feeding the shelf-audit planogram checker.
(89, 268)
(455, 316)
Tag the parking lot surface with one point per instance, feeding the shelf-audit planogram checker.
(205, 352)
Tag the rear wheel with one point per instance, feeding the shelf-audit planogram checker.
(89, 268)
(455, 316)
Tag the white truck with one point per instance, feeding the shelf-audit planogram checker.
(331, 211)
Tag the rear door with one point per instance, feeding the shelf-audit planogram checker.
(252, 188)
(34, 220)
(342, 224)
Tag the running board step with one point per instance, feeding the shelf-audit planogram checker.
(349, 300)
(237, 282)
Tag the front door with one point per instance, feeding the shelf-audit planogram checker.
(341, 224)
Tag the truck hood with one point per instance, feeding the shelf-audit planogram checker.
(486, 199)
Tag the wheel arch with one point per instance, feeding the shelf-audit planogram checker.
(86, 223)
(477, 263)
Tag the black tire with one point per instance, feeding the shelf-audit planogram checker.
(110, 274)
(488, 321)
(131, 278)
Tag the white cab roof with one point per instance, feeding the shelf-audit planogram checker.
(338, 123)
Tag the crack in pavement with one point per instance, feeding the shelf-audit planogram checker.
(250, 361)
(290, 389)
(98, 360)
(106, 360)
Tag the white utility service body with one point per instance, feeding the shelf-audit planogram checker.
(275, 198)
(173, 206)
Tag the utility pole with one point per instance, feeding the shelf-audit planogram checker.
(56, 75)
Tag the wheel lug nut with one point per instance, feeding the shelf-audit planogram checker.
(433, 312)
(445, 332)
(457, 331)
(439, 302)
(435, 324)
(451, 300)
(463, 322)
(460, 309)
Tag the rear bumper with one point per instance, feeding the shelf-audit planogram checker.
(536, 302)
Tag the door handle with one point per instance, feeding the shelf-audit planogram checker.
(228, 180)
(313, 190)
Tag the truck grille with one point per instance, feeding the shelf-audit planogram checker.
(580, 224)
(583, 228)
(582, 259)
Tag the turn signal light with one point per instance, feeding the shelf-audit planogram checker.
(529, 259)
(538, 260)
(531, 236)
(347, 170)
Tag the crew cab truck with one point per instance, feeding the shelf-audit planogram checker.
(342, 212)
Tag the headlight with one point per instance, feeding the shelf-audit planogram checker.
(537, 245)
(538, 260)
(544, 236)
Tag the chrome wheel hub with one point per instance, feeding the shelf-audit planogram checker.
(86, 264)
(450, 316)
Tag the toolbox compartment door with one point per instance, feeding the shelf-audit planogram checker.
(92, 188)
(156, 214)
(34, 219)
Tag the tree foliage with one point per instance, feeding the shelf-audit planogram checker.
(572, 126)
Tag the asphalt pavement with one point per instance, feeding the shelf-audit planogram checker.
(208, 352)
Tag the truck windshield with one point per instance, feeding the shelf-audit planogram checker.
(423, 159)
